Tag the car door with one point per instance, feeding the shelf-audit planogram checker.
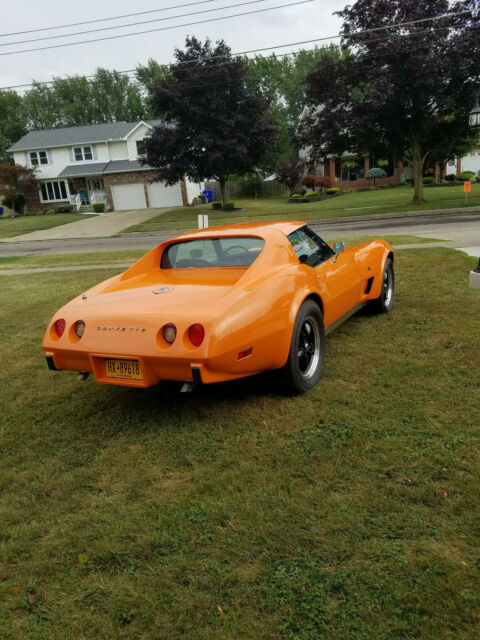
(337, 274)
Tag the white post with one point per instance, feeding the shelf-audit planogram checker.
(205, 221)
(200, 221)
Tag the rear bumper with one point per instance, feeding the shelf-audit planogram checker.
(154, 368)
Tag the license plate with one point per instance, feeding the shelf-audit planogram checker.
(126, 369)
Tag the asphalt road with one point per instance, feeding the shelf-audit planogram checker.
(461, 229)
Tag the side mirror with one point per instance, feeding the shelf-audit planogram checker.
(303, 258)
(338, 247)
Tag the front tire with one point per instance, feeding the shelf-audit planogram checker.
(307, 350)
(384, 303)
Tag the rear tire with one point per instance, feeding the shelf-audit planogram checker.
(384, 303)
(307, 349)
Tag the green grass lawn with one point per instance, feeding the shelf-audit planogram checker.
(234, 513)
(111, 257)
(10, 227)
(350, 204)
(70, 260)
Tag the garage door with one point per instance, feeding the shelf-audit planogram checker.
(128, 196)
(160, 195)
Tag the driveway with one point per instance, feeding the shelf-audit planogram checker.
(101, 226)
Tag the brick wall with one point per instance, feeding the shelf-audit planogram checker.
(129, 177)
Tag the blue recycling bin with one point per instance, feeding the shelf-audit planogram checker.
(1, 212)
(209, 194)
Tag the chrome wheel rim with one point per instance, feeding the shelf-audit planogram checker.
(309, 347)
(388, 287)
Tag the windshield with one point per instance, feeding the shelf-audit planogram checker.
(212, 252)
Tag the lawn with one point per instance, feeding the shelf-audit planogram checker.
(350, 204)
(70, 260)
(234, 513)
(10, 227)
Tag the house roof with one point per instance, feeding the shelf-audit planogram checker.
(90, 169)
(99, 168)
(66, 136)
(118, 166)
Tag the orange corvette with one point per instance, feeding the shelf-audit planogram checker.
(219, 304)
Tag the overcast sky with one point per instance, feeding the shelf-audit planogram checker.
(290, 24)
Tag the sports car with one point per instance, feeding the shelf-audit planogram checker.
(219, 304)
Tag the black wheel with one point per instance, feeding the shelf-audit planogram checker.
(307, 349)
(384, 303)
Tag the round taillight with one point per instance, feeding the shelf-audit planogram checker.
(196, 333)
(79, 328)
(169, 333)
(59, 326)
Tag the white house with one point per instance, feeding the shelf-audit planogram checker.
(469, 162)
(97, 163)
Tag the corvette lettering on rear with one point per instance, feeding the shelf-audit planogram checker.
(129, 329)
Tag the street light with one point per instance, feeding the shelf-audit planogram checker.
(475, 116)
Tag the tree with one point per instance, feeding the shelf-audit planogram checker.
(374, 173)
(281, 80)
(213, 126)
(290, 173)
(149, 76)
(108, 96)
(12, 121)
(18, 184)
(402, 91)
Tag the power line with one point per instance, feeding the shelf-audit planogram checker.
(137, 33)
(131, 24)
(125, 15)
(280, 46)
(376, 56)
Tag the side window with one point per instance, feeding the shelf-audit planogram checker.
(309, 247)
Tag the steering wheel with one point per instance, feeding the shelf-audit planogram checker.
(234, 247)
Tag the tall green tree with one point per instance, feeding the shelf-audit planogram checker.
(149, 76)
(107, 96)
(282, 80)
(213, 125)
(404, 90)
(12, 121)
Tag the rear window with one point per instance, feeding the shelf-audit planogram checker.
(212, 252)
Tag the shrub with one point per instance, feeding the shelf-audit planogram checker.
(63, 208)
(331, 191)
(428, 180)
(290, 173)
(251, 185)
(450, 177)
(313, 180)
(216, 205)
(309, 180)
(296, 195)
(228, 206)
(311, 194)
(17, 203)
(465, 175)
(98, 207)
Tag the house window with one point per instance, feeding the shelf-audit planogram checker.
(96, 184)
(53, 190)
(38, 157)
(141, 150)
(82, 153)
